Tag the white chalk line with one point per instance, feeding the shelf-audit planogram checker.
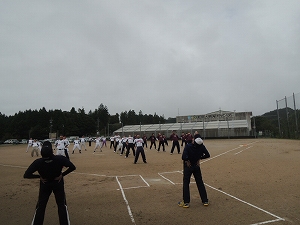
(93, 174)
(96, 153)
(226, 152)
(166, 179)
(264, 222)
(144, 180)
(126, 202)
(135, 187)
(243, 150)
(247, 203)
(220, 154)
(13, 166)
(121, 188)
(124, 196)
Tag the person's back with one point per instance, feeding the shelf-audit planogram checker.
(49, 168)
(195, 152)
(51, 176)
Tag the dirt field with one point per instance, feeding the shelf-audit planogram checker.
(249, 181)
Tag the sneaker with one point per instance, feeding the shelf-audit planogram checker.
(184, 205)
(205, 203)
(125, 157)
(171, 153)
(145, 161)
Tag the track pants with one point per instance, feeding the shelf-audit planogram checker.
(45, 191)
(35, 150)
(175, 143)
(153, 143)
(187, 173)
(161, 143)
(130, 146)
(137, 153)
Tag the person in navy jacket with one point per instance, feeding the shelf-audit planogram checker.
(192, 154)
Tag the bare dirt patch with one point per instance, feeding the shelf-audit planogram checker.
(249, 181)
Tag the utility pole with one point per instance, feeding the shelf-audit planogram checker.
(51, 120)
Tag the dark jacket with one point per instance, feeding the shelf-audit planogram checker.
(49, 168)
(194, 152)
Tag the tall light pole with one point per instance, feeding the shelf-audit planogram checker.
(50, 133)
(51, 120)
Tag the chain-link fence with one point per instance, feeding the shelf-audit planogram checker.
(289, 116)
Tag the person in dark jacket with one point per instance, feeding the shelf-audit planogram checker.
(153, 141)
(192, 154)
(175, 142)
(161, 142)
(49, 169)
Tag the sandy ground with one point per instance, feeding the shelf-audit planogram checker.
(248, 181)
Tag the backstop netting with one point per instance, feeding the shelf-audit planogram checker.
(289, 116)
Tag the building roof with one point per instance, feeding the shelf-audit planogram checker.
(184, 126)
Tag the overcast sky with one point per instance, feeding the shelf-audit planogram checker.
(179, 57)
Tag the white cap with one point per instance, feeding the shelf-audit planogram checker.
(199, 141)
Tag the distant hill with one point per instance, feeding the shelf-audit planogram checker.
(286, 127)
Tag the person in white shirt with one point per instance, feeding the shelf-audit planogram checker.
(67, 144)
(139, 149)
(124, 144)
(112, 140)
(103, 142)
(130, 145)
(98, 144)
(60, 146)
(35, 148)
(82, 143)
(117, 140)
(29, 144)
(76, 145)
(39, 145)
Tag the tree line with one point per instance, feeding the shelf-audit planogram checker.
(282, 123)
(39, 123)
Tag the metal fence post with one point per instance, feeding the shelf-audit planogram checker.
(278, 118)
(295, 110)
(287, 118)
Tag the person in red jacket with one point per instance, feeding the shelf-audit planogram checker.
(145, 141)
(183, 139)
(153, 141)
(188, 138)
(175, 142)
(49, 169)
(161, 142)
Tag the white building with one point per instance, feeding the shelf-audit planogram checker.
(219, 124)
